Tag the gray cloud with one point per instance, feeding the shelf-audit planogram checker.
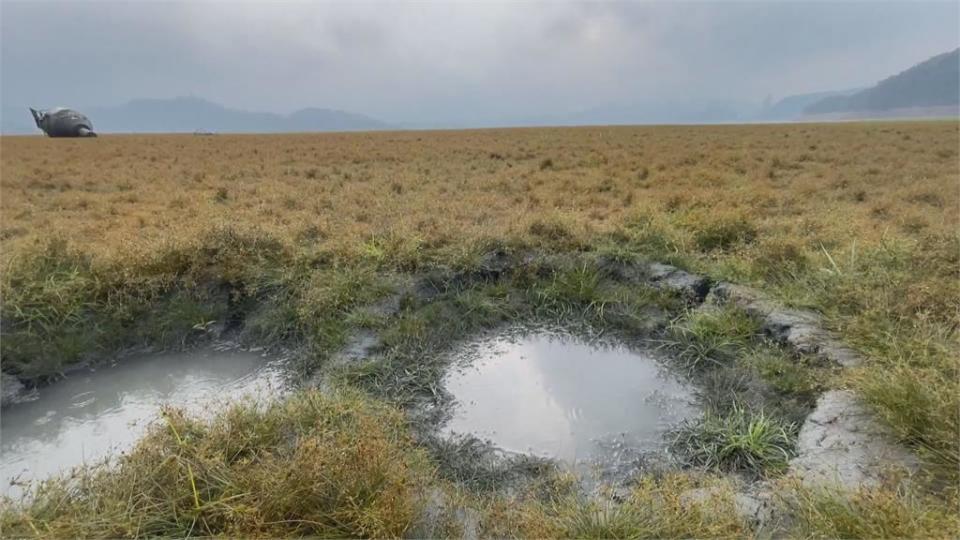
(456, 61)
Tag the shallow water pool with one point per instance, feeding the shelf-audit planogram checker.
(94, 414)
(558, 396)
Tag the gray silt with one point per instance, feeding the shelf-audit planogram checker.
(841, 442)
(692, 286)
(11, 389)
(800, 329)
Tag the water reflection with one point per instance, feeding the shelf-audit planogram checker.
(91, 415)
(561, 397)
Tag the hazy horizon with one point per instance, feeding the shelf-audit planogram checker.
(458, 63)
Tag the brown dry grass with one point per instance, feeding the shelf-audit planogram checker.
(859, 221)
(801, 184)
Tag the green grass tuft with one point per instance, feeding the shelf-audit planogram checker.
(741, 440)
(710, 337)
(869, 512)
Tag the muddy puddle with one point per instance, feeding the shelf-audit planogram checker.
(558, 396)
(98, 413)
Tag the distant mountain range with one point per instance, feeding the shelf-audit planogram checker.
(791, 107)
(190, 114)
(928, 89)
(933, 85)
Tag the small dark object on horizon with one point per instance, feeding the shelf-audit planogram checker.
(60, 122)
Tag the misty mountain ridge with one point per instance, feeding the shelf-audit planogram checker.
(792, 107)
(932, 85)
(928, 89)
(190, 114)
(187, 114)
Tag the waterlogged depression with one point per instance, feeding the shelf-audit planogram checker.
(557, 396)
(99, 413)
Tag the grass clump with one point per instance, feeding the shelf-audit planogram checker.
(881, 511)
(62, 306)
(654, 508)
(181, 317)
(48, 293)
(764, 377)
(710, 337)
(554, 232)
(785, 373)
(312, 465)
(923, 407)
(741, 440)
(780, 260)
(724, 233)
(649, 235)
(576, 289)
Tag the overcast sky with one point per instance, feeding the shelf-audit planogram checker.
(433, 61)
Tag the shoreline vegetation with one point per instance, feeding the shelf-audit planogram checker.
(295, 239)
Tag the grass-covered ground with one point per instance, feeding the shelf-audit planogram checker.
(150, 239)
